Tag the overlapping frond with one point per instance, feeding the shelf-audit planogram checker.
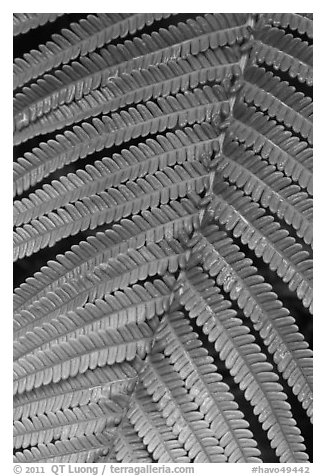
(265, 236)
(236, 346)
(111, 206)
(152, 428)
(183, 109)
(96, 349)
(163, 79)
(146, 158)
(24, 22)
(85, 420)
(81, 38)
(221, 258)
(128, 446)
(132, 305)
(74, 81)
(150, 226)
(176, 340)
(268, 186)
(92, 386)
(283, 51)
(298, 22)
(85, 449)
(272, 142)
(179, 410)
(118, 273)
(278, 99)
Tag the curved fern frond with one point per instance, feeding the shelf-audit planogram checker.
(183, 109)
(118, 273)
(265, 237)
(278, 99)
(76, 450)
(152, 429)
(110, 206)
(149, 157)
(179, 410)
(133, 304)
(274, 143)
(74, 81)
(80, 39)
(139, 86)
(267, 186)
(236, 275)
(150, 226)
(297, 22)
(90, 387)
(67, 359)
(236, 346)
(24, 22)
(176, 340)
(80, 421)
(128, 446)
(272, 46)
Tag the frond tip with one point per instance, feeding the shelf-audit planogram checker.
(24, 22)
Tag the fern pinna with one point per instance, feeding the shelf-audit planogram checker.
(163, 201)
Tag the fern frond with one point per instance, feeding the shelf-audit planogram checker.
(272, 46)
(128, 446)
(183, 109)
(139, 86)
(110, 206)
(151, 427)
(133, 304)
(265, 237)
(80, 39)
(243, 357)
(176, 340)
(76, 450)
(67, 359)
(167, 256)
(80, 421)
(150, 226)
(24, 22)
(267, 186)
(90, 387)
(118, 273)
(149, 157)
(74, 81)
(278, 99)
(181, 413)
(232, 271)
(290, 155)
(297, 22)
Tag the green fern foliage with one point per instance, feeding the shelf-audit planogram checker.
(163, 184)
